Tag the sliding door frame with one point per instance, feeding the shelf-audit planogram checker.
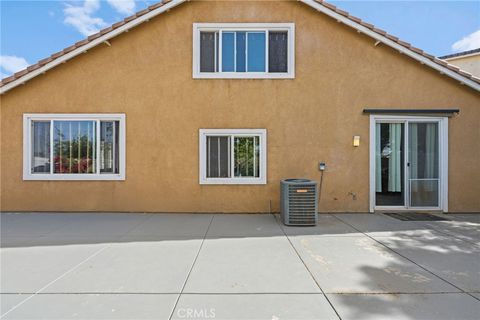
(443, 161)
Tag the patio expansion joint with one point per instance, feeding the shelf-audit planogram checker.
(408, 259)
(55, 280)
(306, 267)
(191, 268)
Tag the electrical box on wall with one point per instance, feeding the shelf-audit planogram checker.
(322, 166)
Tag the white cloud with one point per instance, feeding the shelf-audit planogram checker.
(81, 17)
(470, 42)
(11, 64)
(123, 6)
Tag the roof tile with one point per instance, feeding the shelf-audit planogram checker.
(20, 73)
(106, 30)
(391, 37)
(356, 19)
(382, 32)
(8, 79)
(68, 49)
(452, 67)
(417, 50)
(443, 63)
(141, 13)
(81, 43)
(118, 24)
(329, 6)
(33, 67)
(403, 43)
(343, 13)
(366, 24)
(94, 36)
(57, 54)
(155, 6)
(45, 61)
(130, 18)
(465, 74)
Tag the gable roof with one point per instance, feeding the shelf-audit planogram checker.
(330, 10)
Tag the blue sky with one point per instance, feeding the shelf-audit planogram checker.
(32, 30)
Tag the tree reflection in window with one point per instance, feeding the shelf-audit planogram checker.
(74, 146)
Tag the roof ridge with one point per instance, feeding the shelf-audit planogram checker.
(461, 54)
(18, 75)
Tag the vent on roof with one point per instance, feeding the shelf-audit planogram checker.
(299, 202)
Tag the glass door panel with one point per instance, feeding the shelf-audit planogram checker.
(389, 164)
(423, 163)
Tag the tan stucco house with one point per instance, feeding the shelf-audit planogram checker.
(204, 106)
(466, 60)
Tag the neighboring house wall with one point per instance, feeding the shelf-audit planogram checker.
(147, 74)
(470, 63)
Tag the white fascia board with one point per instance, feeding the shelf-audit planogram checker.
(393, 44)
(91, 44)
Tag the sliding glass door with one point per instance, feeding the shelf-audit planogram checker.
(423, 164)
(407, 163)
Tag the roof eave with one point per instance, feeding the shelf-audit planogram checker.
(64, 58)
(383, 39)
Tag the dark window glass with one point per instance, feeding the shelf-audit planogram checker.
(207, 51)
(218, 157)
(278, 51)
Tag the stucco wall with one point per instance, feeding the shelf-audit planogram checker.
(147, 74)
(468, 63)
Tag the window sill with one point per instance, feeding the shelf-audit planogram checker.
(228, 75)
(73, 177)
(238, 181)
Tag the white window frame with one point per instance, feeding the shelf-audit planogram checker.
(443, 162)
(289, 27)
(261, 133)
(27, 146)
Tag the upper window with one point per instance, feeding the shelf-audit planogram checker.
(74, 147)
(233, 156)
(244, 50)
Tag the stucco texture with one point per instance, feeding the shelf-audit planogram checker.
(147, 74)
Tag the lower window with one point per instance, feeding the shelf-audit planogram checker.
(74, 147)
(233, 156)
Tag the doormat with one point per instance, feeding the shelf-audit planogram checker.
(414, 216)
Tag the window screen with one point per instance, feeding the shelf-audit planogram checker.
(218, 157)
(109, 147)
(278, 51)
(207, 51)
(40, 146)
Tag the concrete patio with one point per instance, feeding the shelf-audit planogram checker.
(204, 266)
